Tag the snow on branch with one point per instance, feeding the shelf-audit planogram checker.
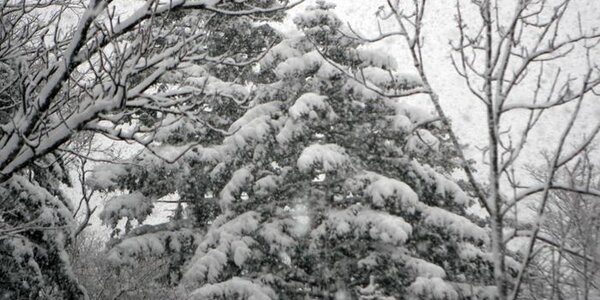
(433, 289)
(155, 244)
(234, 288)
(454, 224)
(361, 222)
(133, 206)
(326, 157)
(384, 189)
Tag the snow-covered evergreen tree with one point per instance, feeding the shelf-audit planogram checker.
(325, 187)
(36, 225)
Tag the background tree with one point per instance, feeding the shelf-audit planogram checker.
(568, 259)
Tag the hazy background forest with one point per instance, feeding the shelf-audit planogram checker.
(268, 149)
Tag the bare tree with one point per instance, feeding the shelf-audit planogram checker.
(511, 57)
(95, 76)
